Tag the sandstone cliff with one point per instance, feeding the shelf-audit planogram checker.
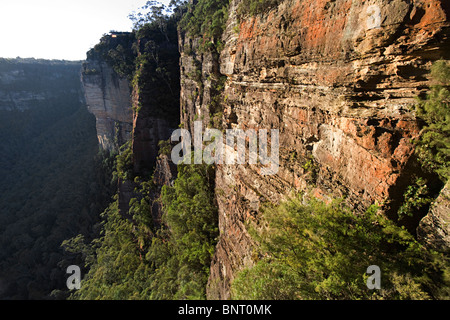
(108, 97)
(339, 80)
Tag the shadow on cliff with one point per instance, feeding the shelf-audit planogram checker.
(408, 177)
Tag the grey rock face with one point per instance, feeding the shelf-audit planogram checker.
(434, 228)
(108, 97)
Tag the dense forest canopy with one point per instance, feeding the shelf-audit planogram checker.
(51, 182)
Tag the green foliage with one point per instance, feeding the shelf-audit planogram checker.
(254, 7)
(191, 213)
(157, 71)
(191, 216)
(124, 167)
(216, 120)
(320, 251)
(433, 147)
(206, 18)
(157, 13)
(165, 147)
(136, 259)
(311, 168)
(415, 197)
(141, 212)
(90, 72)
(117, 268)
(116, 49)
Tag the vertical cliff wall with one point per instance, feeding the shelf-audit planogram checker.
(156, 90)
(339, 81)
(108, 97)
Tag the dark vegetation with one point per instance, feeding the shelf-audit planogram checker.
(133, 259)
(432, 152)
(116, 49)
(433, 147)
(157, 70)
(206, 19)
(53, 182)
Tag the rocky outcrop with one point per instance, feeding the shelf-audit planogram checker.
(149, 128)
(155, 104)
(108, 97)
(434, 228)
(155, 97)
(164, 175)
(339, 81)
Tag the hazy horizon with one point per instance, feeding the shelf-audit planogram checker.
(60, 29)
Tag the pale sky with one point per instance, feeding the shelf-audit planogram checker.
(60, 29)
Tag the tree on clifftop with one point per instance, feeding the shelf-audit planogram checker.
(433, 147)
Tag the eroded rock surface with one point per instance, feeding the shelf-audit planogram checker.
(434, 228)
(108, 97)
(339, 81)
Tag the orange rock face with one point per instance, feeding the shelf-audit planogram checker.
(339, 81)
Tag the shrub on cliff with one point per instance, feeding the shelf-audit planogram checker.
(254, 7)
(206, 19)
(124, 162)
(134, 259)
(433, 147)
(320, 251)
(156, 78)
(116, 49)
(191, 216)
